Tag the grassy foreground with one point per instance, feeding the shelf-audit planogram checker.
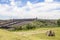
(37, 34)
(5, 35)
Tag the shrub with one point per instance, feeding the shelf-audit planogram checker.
(58, 22)
(30, 26)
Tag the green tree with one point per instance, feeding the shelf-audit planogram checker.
(58, 22)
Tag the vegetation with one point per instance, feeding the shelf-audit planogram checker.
(37, 34)
(58, 22)
(5, 35)
(36, 24)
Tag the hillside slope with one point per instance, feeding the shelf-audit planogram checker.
(5, 35)
(37, 34)
(40, 34)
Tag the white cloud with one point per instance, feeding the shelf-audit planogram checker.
(40, 10)
(49, 0)
(12, 2)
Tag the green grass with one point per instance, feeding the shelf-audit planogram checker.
(40, 34)
(36, 34)
(5, 35)
(44, 37)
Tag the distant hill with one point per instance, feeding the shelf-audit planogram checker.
(19, 22)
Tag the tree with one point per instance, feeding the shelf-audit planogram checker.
(58, 22)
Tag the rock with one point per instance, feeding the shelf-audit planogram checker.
(50, 33)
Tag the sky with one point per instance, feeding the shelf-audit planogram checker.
(19, 9)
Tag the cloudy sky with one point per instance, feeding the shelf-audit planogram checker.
(18, 9)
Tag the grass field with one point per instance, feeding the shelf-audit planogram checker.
(36, 34)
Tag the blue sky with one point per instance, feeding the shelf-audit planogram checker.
(23, 1)
(48, 9)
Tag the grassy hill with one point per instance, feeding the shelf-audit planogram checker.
(36, 34)
(40, 34)
(35, 30)
(5, 35)
(35, 24)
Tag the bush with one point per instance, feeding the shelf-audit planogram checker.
(36, 24)
(30, 26)
(24, 27)
(15, 28)
(58, 22)
(19, 28)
